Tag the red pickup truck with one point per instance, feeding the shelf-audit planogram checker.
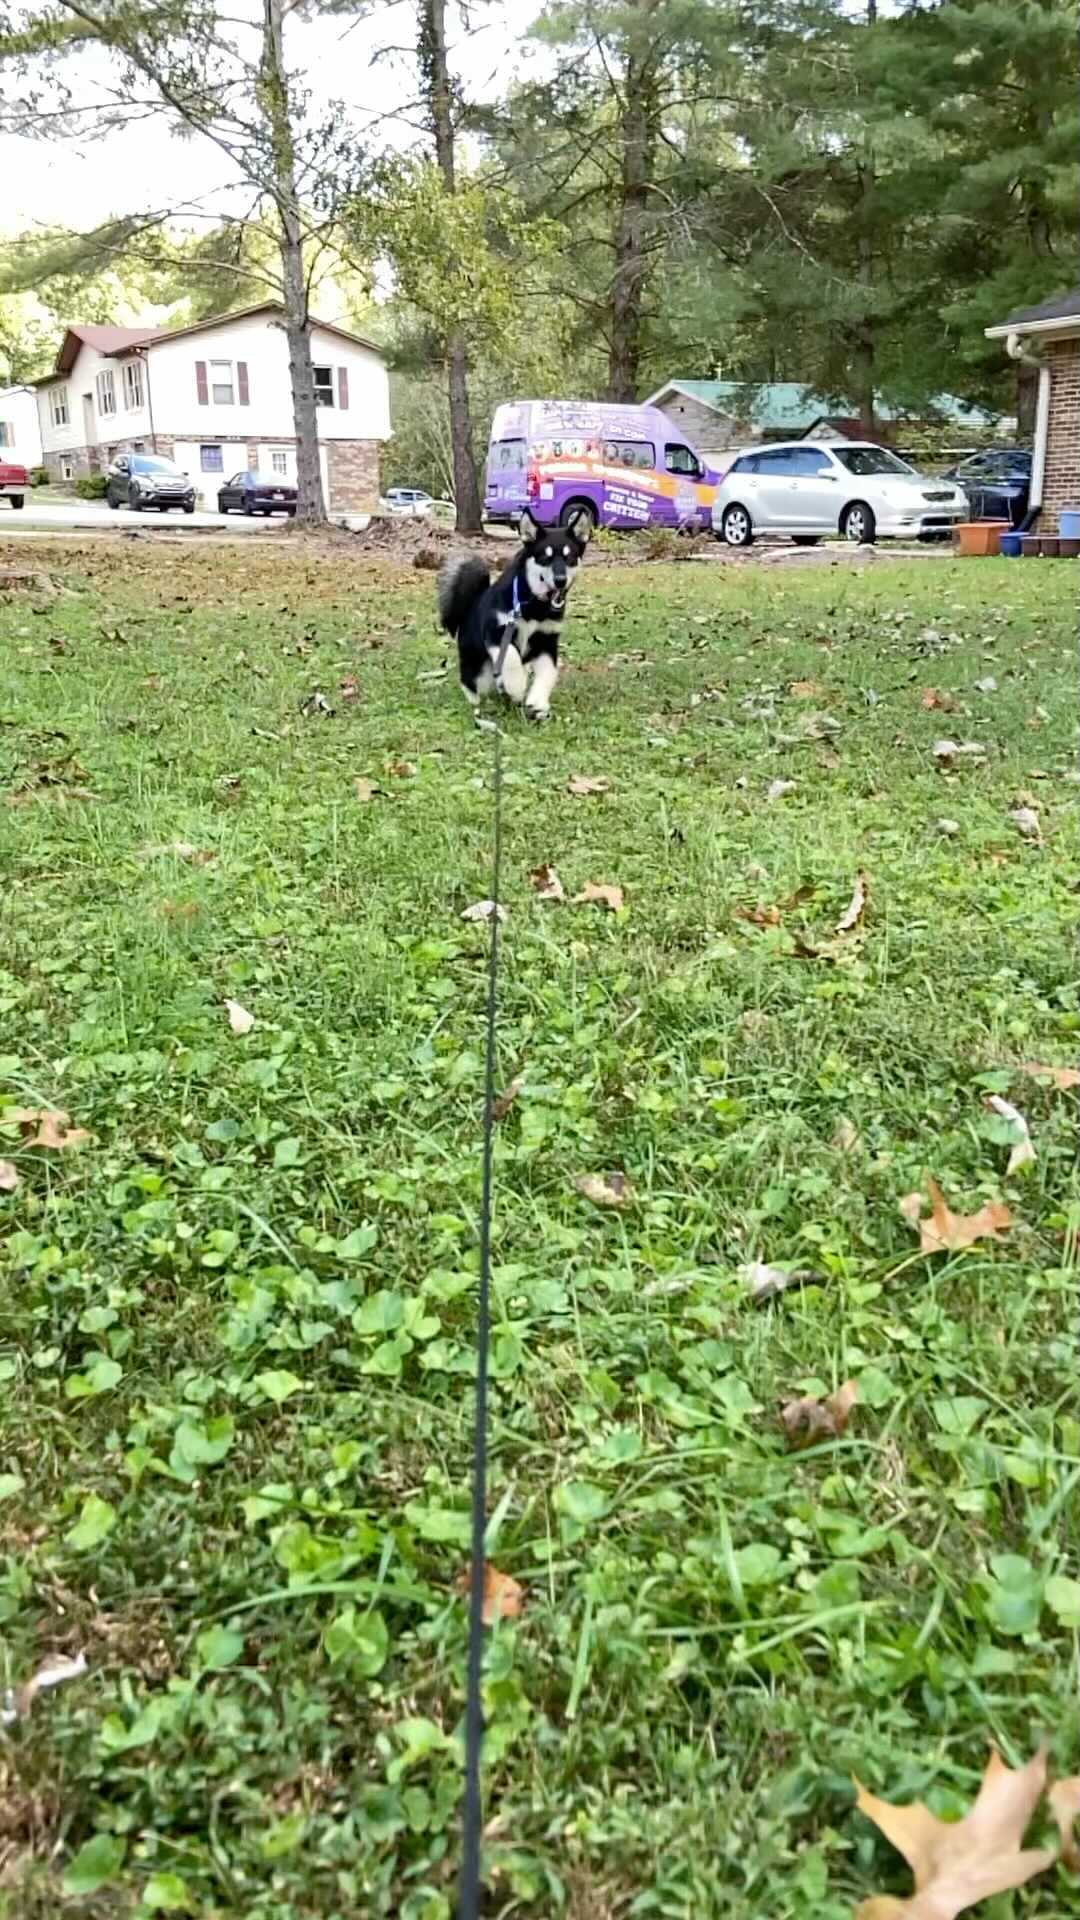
(13, 483)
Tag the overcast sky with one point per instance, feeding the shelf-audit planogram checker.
(79, 183)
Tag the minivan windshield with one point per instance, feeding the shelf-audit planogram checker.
(864, 460)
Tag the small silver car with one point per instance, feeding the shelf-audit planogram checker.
(810, 489)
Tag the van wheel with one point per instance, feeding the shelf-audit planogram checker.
(858, 524)
(737, 527)
(579, 510)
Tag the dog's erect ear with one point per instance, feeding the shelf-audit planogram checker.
(580, 525)
(528, 528)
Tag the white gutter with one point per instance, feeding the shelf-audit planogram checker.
(1067, 326)
(1015, 349)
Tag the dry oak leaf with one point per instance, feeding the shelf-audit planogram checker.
(583, 783)
(1062, 1077)
(365, 789)
(759, 916)
(958, 1863)
(807, 689)
(349, 687)
(45, 1127)
(9, 1177)
(932, 698)
(807, 1420)
(605, 1189)
(856, 906)
(503, 1101)
(947, 1232)
(483, 910)
(52, 1673)
(1064, 1799)
(546, 883)
(1026, 822)
(764, 1283)
(609, 897)
(503, 1596)
(240, 1020)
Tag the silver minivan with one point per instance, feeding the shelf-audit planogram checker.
(809, 489)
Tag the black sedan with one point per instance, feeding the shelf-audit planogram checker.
(142, 480)
(997, 483)
(253, 493)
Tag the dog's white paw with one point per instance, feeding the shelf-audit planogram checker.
(538, 714)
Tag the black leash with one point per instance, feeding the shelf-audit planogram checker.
(469, 1888)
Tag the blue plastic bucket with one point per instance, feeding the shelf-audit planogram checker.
(1009, 546)
(1069, 523)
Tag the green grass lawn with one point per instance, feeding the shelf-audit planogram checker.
(236, 1323)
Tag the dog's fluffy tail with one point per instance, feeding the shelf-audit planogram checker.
(461, 582)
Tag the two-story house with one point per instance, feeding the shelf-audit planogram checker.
(216, 397)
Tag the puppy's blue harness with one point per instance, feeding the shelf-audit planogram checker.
(509, 632)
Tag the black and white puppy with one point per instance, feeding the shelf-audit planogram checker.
(508, 630)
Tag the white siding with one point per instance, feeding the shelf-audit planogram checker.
(107, 429)
(22, 442)
(259, 341)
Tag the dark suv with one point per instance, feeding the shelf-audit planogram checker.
(997, 483)
(139, 480)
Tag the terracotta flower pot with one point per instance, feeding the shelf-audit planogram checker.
(979, 537)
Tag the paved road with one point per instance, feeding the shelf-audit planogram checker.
(88, 513)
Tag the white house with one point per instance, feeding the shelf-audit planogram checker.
(20, 433)
(216, 398)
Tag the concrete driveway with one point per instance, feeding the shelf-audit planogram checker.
(95, 515)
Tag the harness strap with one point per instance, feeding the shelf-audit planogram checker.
(509, 633)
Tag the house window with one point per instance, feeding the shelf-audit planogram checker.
(324, 386)
(106, 393)
(58, 409)
(221, 383)
(7, 434)
(211, 460)
(67, 470)
(279, 460)
(133, 385)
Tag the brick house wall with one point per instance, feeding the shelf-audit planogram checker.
(1061, 479)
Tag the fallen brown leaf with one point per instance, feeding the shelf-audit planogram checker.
(958, 1863)
(1023, 1150)
(44, 1127)
(546, 883)
(605, 1189)
(403, 769)
(180, 909)
(807, 1420)
(240, 1020)
(366, 789)
(807, 689)
(349, 687)
(603, 896)
(503, 1102)
(1026, 821)
(759, 916)
(1061, 1077)
(933, 698)
(583, 783)
(856, 906)
(947, 1232)
(1064, 1799)
(503, 1595)
(846, 1137)
(778, 788)
(9, 1177)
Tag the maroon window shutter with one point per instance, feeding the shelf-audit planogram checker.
(242, 381)
(343, 388)
(201, 388)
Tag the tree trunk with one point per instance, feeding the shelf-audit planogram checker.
(467, 504)
(864, 331)
(273, 96)
(638, 142)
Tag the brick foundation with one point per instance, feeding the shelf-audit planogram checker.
(352, 470)
(80, 459)
(1061, 480)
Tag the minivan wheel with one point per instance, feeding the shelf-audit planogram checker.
(858, 524)
(736, 527)
(579, 510)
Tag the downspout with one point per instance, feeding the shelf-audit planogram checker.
(1016, 351)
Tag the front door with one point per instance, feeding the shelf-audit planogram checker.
(90, 431)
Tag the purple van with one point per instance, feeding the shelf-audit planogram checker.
(624, 466)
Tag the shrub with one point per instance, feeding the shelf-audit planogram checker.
(39, 476)
(90, 486)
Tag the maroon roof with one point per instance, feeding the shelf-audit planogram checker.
(103, 339)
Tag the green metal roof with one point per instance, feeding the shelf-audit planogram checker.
(788, 406)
